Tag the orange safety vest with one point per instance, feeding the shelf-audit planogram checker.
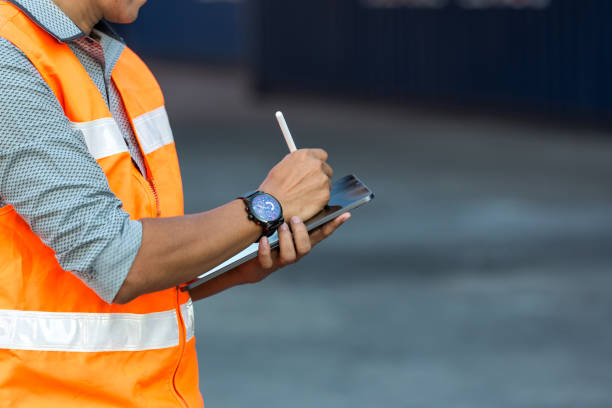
(60, 344)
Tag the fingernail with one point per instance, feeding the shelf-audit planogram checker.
(264, 242)
(296, 220)
(284, 227)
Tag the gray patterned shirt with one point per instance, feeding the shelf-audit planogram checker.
(46, 172)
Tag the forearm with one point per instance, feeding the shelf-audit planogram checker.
(292, 247)
(176, 250)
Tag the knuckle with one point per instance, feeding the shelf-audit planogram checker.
(323, 179)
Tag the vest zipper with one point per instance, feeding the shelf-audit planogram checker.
(155, 196)
(183, 339)
(181, 321)
(182, 343)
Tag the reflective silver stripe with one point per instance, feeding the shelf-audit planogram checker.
(92, 332)
(189, 319)
(102, 136)
(153, 130)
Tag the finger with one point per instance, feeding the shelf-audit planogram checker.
(326, 230)
(265, 254)
(332, 226)
(287, 249)
(329, 172)
(301, 238)
(319, 154)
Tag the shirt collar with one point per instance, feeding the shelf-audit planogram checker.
(48, 16)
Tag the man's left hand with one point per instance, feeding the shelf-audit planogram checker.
(294, 244)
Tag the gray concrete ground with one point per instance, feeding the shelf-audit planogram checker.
(479, 277)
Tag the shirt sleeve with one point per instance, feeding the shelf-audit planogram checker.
(49, 177)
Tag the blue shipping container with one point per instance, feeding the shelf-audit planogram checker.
(555, 57)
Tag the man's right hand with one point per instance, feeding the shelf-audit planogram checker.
(174, 250)
(301, 182)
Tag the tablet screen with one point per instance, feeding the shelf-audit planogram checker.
(345, 192)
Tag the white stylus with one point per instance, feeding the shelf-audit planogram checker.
(286, 132)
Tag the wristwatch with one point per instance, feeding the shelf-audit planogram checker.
(264, 210)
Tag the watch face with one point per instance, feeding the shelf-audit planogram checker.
(266, 207)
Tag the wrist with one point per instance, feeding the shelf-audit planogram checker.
(239, 209)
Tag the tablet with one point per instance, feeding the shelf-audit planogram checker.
(346, 194)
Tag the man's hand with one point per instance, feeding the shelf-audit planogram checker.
(294, 244)
(301, 182)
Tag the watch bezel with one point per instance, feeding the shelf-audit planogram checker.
(269, 227)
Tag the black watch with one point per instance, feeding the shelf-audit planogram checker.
(264, 210)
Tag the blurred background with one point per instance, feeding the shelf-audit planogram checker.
(480, 275)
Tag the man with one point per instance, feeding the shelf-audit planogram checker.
(94, 248)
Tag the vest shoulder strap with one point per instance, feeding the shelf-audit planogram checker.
(55, 62)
